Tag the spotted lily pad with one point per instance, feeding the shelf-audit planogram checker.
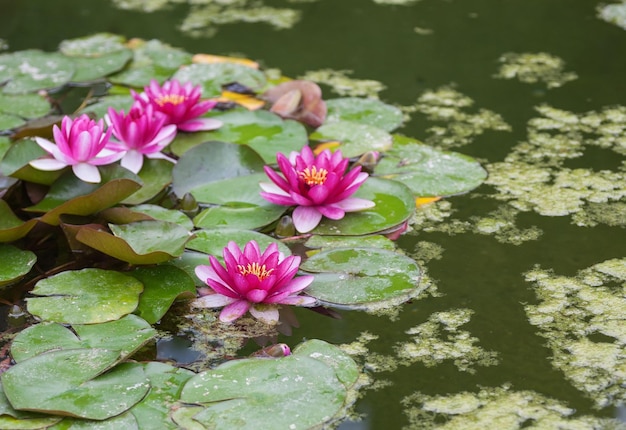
(362, 278)
(156, 175)
(213, 76)
(213, 241)
(33, 70)
(24, 105)
(355, 138)
(364, 111)
(95, 45)
(429, 171)
(15, 263)
(16, 159)
(268, 393)
(101, 107)
(85, 296)
(92, 68)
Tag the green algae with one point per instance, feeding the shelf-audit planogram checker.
(571, 313)
(496, 408)
(340, 82)
(440, 339)
(613, 13)
(461, 126)
(531, 68)
(501, 224)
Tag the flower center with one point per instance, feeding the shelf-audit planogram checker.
(260, 271)
(174, 99)
(312, 176)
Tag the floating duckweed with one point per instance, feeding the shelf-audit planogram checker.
(501, 224)
(572, 310)
(143, 5)
(440, 339)
(534, 67)
(423, 31)
(435, 217)
(374, 362)
(446, 105)
(424, 251)
(613, 13)
(339, 81)
(498, 407)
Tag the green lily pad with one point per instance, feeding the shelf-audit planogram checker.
(95, 45)
(70, 195)
(87, 296)
(362, 278)
(355, 138)
(373, 241)
(125, 335)
(210, 162)
(9, 122)
(213, 76)
(188, 262)
(364, 111)
(124, 421)
(12, 419)
(92, 68)
(70, 382)
(268, 393)
(11, 227)
(24, 105)
(428, 171)
(141, 242)
(213, 241)
(345, 368)
(394, 205)
(15, 263)
(162, 285)
(34, 70)
(117, 102)
(16, 159)
(261, 130)
(169, 215)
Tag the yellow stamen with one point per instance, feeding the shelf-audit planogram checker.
(174, 99)
(260, 271)
(312, 176)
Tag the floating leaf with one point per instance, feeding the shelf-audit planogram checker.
(355, 138)
(213, 161)
(394, 205)
(364, 111)
(87, 296)
(269, 393)
(162, 285)
(156, 176)
(374, 241)
(359, 278)
(11, 227)
(428, 171)
(141, 242)
(15, 263)
(125, 335)
(95, 45)
(16, 159)
(101, 107)
(34, 70)
(213, 76)
(70, 382)
(24, 105)
(92, 68)
(9, 122)
(214, 241)
(261, 130)
(345, 368)
(169, 215)
(12, 419)
(188, 262)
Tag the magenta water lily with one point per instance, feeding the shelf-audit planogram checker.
(317, 185)
(180, 103)
(253, 281)
(141, 132)
(80, 143)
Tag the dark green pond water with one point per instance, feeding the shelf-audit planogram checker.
(497, 343)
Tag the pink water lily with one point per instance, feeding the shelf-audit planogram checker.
(317, 185)
(252, 281)
(141, 132)
(80, 143)
(181, 104)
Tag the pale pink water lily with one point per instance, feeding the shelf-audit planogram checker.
(79, 143)
(252, 281)
(180, 103)
(141, 132)
(317, 185)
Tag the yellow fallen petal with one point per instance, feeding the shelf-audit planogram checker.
(245, 100)
(211, 59)
(326, 145)
(419, 201)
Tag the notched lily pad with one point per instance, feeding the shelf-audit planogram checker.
(87, 296)
(15, 263)
(362, 278)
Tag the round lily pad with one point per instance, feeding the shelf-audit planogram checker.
(364, 111)
(35, 70)
(163, 214)
(95, 45)
(355, 138)
(156, 175)
(85, 296)
(213, 241)
(24, 105)
(213, 76)
(92, 68)
(15, 263)
(362, 278)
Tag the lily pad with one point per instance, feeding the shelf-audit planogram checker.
(345, 368)
(101, 107)
(355, 138)
(35, 70)
(156, 176)
(169, 215)
(188, 262)
(162, 285)
(394, 204)
(362, 278)
(210, 162)
(24, 105)
(16, 159)
(12, 419)
(15, 263)
(10, 122)
(95, 45)
(87, 296)
(70, 382)
(267, 393)
(125, 335)
(364, 111)
(261, 130)
(213, 241)
(141, 242)
(213, 76)
(428, 171)
(92, 68)
(11, 227)
(374, 241)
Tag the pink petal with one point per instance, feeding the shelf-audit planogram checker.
(332, 212)
(353, 204)
(51, 148)
(278, 180)
(47, 164)
(298, 301)
(212, 301)
(199, 124)
(87, 172)
(256, 295)
(267, 314)
(277, 199)
(306, 218)
(133, 161)
(234, 310)
(319, 194)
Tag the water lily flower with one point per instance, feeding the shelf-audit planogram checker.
(317, 185)
(80, 143)
(252, 281)
(138, 133)
(180, 103)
